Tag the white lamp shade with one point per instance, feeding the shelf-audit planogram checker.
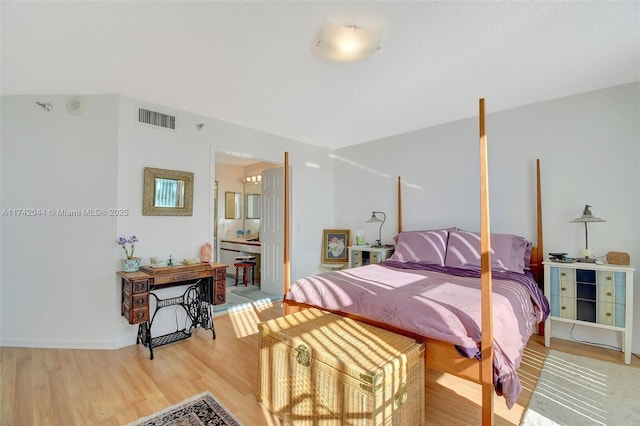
(348, 44)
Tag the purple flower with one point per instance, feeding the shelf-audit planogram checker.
(128, 251)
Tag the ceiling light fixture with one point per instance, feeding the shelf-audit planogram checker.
(348, 43)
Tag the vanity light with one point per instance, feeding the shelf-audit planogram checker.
(348, 43)
(253, 179)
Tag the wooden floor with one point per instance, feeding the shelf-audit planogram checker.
(114, 387)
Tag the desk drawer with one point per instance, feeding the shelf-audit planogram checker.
(133, 287)
(220, 299)
(220, 290)
(221, 274)
(181, 276)
(135, 315)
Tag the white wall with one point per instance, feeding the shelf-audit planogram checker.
(57, 272)
(588, 145)
(57, 283)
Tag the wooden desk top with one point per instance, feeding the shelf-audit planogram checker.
(174, 274)
(181, 268)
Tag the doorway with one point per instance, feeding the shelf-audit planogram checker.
(250, 215)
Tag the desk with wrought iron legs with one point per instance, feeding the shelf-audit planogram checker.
(195, 304)
(201, 293)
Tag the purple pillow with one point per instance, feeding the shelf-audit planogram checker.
(427, 247)
(507, 251)
(527, 256)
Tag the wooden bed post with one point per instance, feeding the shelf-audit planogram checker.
(399, 204)
(486, 367)
(539, 257)
(540, 254)
(286, 271)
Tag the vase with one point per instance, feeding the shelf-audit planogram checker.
(131, 265)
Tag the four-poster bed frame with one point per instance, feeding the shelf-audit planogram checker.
(442, 356)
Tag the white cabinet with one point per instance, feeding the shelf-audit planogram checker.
(592, 295)
(365, 255)
(230, 249)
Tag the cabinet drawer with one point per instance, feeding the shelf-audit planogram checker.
(567, 276)
(605, 277)
(586, 310)
(567, 289)
(586, 291)
(221, 287)
(605, 293)
(357, 258)
(606, 313)
(568, 307)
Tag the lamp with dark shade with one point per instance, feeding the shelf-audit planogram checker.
(376, 219)
(586, 218)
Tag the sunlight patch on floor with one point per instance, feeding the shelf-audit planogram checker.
(244, 317)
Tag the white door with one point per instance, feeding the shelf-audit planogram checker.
(272, 231)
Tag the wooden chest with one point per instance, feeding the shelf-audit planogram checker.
(317, 368)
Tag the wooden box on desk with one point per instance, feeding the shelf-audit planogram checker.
(317, 368)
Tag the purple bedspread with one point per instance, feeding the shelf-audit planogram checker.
(439, 303)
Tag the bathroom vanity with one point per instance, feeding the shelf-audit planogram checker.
(232, 248)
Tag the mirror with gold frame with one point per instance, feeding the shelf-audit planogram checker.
(167, 193)
(233, 205)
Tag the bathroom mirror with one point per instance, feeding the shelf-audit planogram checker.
(232, 205)
(253, 206)
(167, 193)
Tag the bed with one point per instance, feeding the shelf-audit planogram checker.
(448, 292)
(430, 289)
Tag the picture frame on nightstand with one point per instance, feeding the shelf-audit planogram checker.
(334, 245)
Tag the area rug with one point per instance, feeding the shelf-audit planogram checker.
(574, 390)
(200, 410)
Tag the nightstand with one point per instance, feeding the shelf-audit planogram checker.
(592, 295)
(365, 255)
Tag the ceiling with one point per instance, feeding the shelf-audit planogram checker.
(255, 63)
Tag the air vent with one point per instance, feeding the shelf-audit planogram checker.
(155, 118)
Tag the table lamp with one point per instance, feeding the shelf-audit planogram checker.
(586, 218)
(375, 219)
